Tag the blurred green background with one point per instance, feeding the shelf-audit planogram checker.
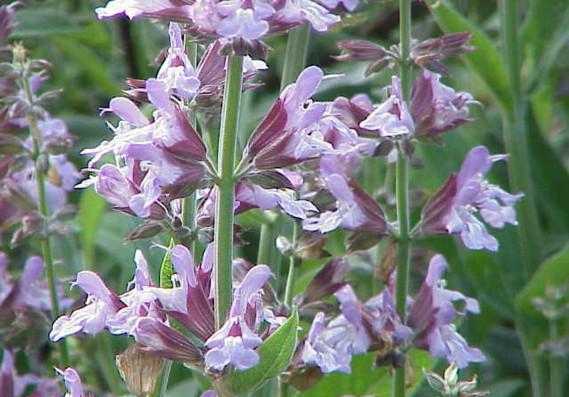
(91, 59)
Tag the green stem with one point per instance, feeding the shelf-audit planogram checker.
(402, 188)
(224, 217)
(556, 364)
(294, 261)
(515, 137)
(45, 242)
(295, 61)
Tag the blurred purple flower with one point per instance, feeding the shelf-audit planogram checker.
(30, 291)
(73, 383)
(173, 10)
(466, 200)
(432, 312)
(14, 385)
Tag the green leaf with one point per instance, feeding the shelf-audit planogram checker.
(91, 210)
(550, 176)
(485, 60)
(275, 354)
(166, 268)
(553, 272)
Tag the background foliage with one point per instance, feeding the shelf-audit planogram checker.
(91, 59)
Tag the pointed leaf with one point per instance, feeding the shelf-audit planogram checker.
(275, 355)
(167, 269)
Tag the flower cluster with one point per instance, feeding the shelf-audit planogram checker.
(235, 20)
(147, 312)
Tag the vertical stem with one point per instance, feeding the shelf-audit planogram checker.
(45, 243)
(402, 187)
(515, 137)
(556, 364)
(224, 216)
(295, 61)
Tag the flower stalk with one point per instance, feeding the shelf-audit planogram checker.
(224, 217)
(45, 243)
(402, 187)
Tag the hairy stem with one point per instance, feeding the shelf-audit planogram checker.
(224, 216)
(515, 137)
(402, 188)
(45, 243)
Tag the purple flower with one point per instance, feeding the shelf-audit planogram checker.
(283, 137)
(177, 72)
(467, 200)
(355, 209)
(296, 12)
(235, 342)
(349, 5)
(431, 315)
(171, 150)
(246, 19)
(105, 309)
(61, 179)
(359, 327)
(437, 108)
(7, 21)
(392, 118)
(162, 9)
(320, 350)
(72, 383)
(91, 319)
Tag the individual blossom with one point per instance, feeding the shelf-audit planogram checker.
(235, 342)
(467, 202)
(434, 108)
(283, 138)
(391, 119)
(354, 209)
(427, 54)
(7, 21)
(437, 108)
(431, 316)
